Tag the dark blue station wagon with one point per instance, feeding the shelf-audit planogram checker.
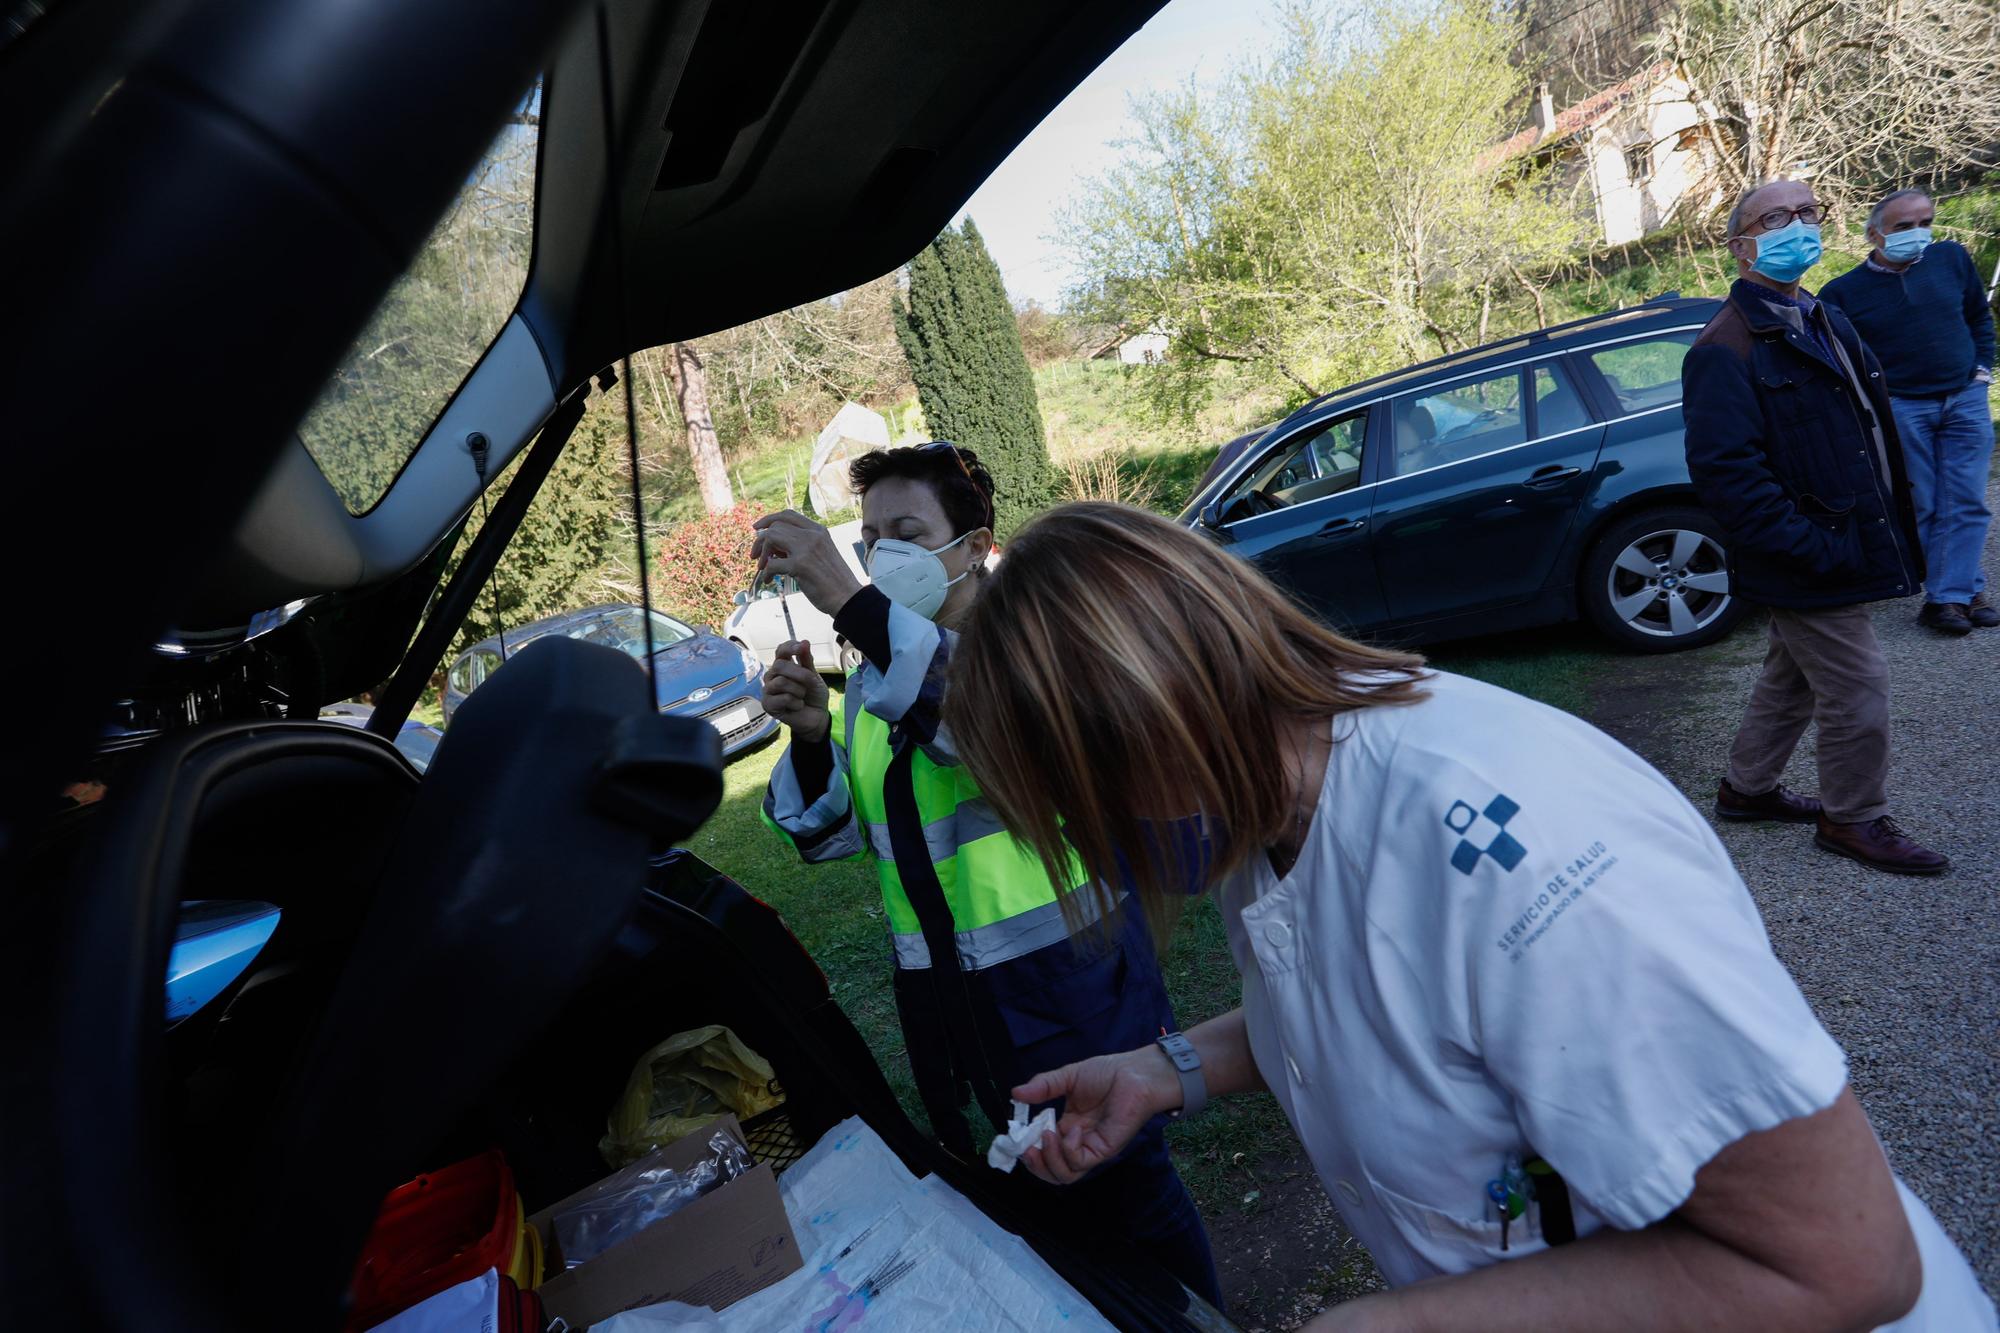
(1527, 482)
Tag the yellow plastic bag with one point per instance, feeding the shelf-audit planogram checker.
(683, 1083)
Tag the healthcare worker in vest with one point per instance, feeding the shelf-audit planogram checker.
(876, 777)
(1502, 977)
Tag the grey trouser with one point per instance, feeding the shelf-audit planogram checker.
(1826, 667)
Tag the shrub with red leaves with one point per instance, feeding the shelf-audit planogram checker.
(703, 564)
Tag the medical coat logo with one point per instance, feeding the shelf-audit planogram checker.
(1484, 833)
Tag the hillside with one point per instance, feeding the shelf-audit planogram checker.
(1110, 442)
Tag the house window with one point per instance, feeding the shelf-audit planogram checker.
(1639, 163)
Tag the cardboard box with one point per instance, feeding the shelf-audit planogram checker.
(720, 1248)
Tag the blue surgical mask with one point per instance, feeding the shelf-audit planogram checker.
(1900, 247)
(1784, 255)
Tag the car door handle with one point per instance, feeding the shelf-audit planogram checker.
(1553, 475)
(1341, 526)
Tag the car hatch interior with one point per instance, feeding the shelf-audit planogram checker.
(475, 955)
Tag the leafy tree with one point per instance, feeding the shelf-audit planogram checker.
(1870, 96)
(576, 523)
(1337, 209)
(959, 332)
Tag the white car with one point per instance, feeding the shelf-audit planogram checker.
(759, 624)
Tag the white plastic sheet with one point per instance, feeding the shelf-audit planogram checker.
(854, 431)
(886, 1253)
(473, 1306)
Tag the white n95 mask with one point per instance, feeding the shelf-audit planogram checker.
(911, 575)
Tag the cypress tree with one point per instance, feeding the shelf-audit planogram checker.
(964, 348)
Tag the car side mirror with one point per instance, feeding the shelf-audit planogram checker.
(707, 628)
(1210, 516)
(742, 598)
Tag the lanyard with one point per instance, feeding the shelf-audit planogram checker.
(955, 999)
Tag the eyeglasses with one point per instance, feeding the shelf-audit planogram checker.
(947, 447)
(1782, 217)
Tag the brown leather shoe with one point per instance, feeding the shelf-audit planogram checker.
(1880, 844)
(1945, 617)
(1786, 807)
(1981, 612)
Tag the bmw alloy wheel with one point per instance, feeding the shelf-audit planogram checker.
(1669, 583)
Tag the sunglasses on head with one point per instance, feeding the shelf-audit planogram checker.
(947, 447)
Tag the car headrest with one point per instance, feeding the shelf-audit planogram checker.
(525, 851)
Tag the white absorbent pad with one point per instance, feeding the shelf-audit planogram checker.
(886, 1252)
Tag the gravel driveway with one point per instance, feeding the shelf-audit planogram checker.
(1904, 972)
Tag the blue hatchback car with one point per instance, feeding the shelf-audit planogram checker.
(697, 673)
(1523, 483)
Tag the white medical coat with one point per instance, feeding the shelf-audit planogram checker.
(1506, 935)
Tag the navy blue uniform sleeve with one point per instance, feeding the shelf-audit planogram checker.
(864, 622)
(1726, 460)
(812, 765)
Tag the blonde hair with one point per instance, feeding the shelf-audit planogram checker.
(1115, 658)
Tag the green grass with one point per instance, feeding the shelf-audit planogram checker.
(1558, 665)
(429, 708)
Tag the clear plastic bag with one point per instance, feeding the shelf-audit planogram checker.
(591, 1228)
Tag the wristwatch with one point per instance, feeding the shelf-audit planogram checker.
(1187, 1064)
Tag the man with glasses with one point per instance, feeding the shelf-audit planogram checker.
(1792, 445)
(1920, 305)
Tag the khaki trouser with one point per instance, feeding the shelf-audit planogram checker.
(1823, 666)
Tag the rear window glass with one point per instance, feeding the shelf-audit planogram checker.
(1465, 420)
(1647, 373)
(434, 324)
(626, 631)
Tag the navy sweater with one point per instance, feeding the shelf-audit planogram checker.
(1929, 325)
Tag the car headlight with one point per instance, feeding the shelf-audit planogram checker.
(753, 666)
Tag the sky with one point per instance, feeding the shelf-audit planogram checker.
(1016, 208)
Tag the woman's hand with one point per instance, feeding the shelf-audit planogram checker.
(1107, 1100)
(790, 543)
(795, 694)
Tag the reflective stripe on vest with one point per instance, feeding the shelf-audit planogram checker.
(988, 879)
(1005, 940)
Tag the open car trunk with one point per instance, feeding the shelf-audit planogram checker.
(702, 950)
(471, 959)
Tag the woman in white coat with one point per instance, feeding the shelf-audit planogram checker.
(1507, 985)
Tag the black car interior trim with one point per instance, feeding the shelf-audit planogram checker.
(160, 211)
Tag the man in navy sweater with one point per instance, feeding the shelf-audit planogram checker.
(1920, 306)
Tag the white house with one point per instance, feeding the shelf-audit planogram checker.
(1637, 148)
(1138, 349)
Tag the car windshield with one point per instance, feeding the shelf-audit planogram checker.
(433, 326)
(625, 631)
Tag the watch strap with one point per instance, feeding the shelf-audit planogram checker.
(1187, 1065)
